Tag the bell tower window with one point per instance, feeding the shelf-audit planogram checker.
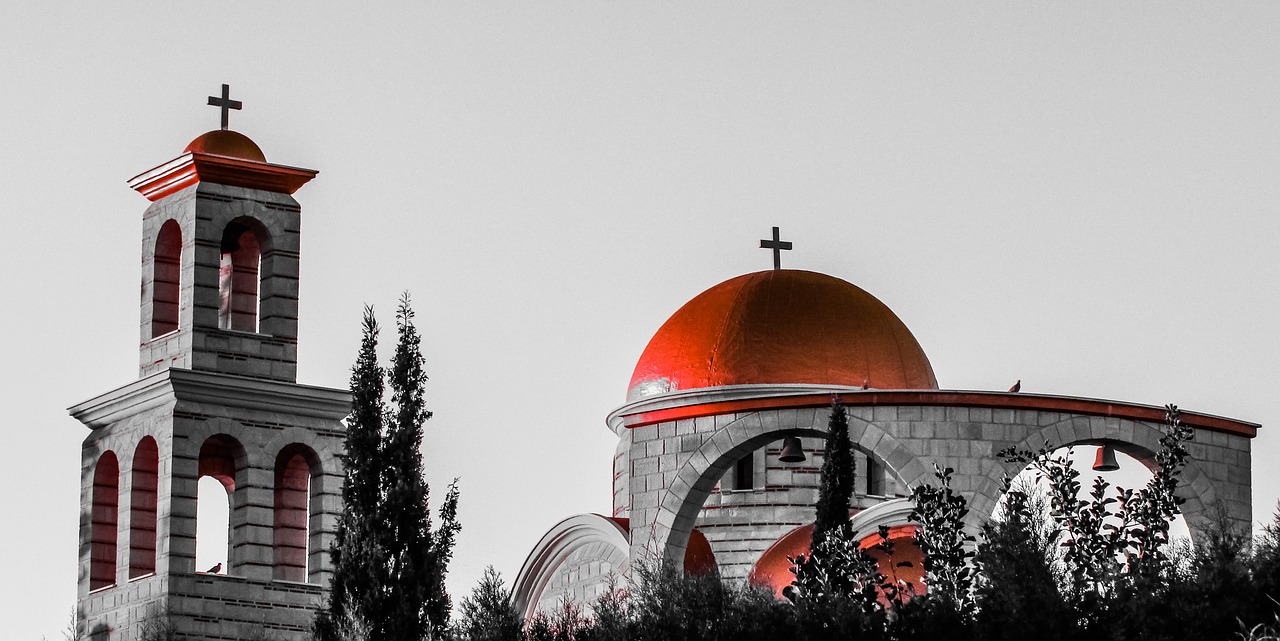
(142, 510)
(238, 277)
(295, 467)
(221, 458)
(166, 288)
(105, 516)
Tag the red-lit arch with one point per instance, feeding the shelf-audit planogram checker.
(293, 529)
(143, 497)
(166, 288)
(103, 520)
(244, 240)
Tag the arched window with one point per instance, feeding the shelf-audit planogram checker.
(142, 509)
(238, 275)
(104, 517)
(166, 286)
(220, 459)
(295, 466)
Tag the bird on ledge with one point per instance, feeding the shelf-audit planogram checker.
(1017, 387)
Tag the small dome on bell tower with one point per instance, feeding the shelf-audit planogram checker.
(224, 142)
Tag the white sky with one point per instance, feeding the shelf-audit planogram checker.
(1080, 195)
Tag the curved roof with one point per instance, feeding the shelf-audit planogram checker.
(782, 327)
(224, 142)
(588, 538)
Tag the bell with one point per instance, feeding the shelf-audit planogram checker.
(792, 450)
(1106, 459)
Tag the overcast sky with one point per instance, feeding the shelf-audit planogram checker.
(1080, 195)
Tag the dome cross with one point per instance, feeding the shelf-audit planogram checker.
(225, 103)
(778, 246)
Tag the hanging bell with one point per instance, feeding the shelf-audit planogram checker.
(1106, 459)
(792, 450)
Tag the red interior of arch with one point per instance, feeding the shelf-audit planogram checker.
(105, 516)
(238, 279)
(292, 499)
(142, 510)
(166, 286)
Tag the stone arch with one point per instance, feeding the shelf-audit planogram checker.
(1137, 439)
(166, 284)
(296, 512)
(899, 459)
(144, 499)
(326, 457)
(892, 513)
(223, 458)
(104, 521)
(243, 243)
(683, 499)
(556, 546)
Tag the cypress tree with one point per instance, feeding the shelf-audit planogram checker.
(418, 605)
(359, 559)
(835, 488)
(389, 565)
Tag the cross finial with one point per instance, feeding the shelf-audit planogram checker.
(225, 103)
(778, 246)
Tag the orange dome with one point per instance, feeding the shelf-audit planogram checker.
(780, 327)
(224, 142)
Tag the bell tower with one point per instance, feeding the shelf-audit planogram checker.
(216, 420)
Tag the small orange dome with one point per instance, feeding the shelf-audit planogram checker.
(773, 569)
(224, 142)
(782, 327)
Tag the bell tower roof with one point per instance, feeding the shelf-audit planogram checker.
(225, 157)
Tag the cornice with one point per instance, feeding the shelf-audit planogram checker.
(182, 385)
(744, 398)
(193, 167)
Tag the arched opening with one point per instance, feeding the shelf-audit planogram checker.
(238, 275)
(759, 498)
(166, 289)
(901, 562)
(105, 515)
(143, 498)
(679, 511)
(294, 512)
(1135, 470)
(220, 462)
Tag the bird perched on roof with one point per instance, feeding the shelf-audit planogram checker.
(215, 569)
(866, 384)
(1017, 387)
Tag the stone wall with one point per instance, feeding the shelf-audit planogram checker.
(674, 466)
(182, 410)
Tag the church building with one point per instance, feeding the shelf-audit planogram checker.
(720, 439)
(719, 436)
(216, 398)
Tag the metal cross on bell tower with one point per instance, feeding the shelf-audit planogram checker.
(225, 103)
(778, 246)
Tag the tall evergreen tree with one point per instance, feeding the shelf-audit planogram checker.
(838, 585)
(835, 488)
(389, 565)
(418, 556)
(359, 558)
(407, 531)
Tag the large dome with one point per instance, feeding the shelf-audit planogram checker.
(782, 327)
